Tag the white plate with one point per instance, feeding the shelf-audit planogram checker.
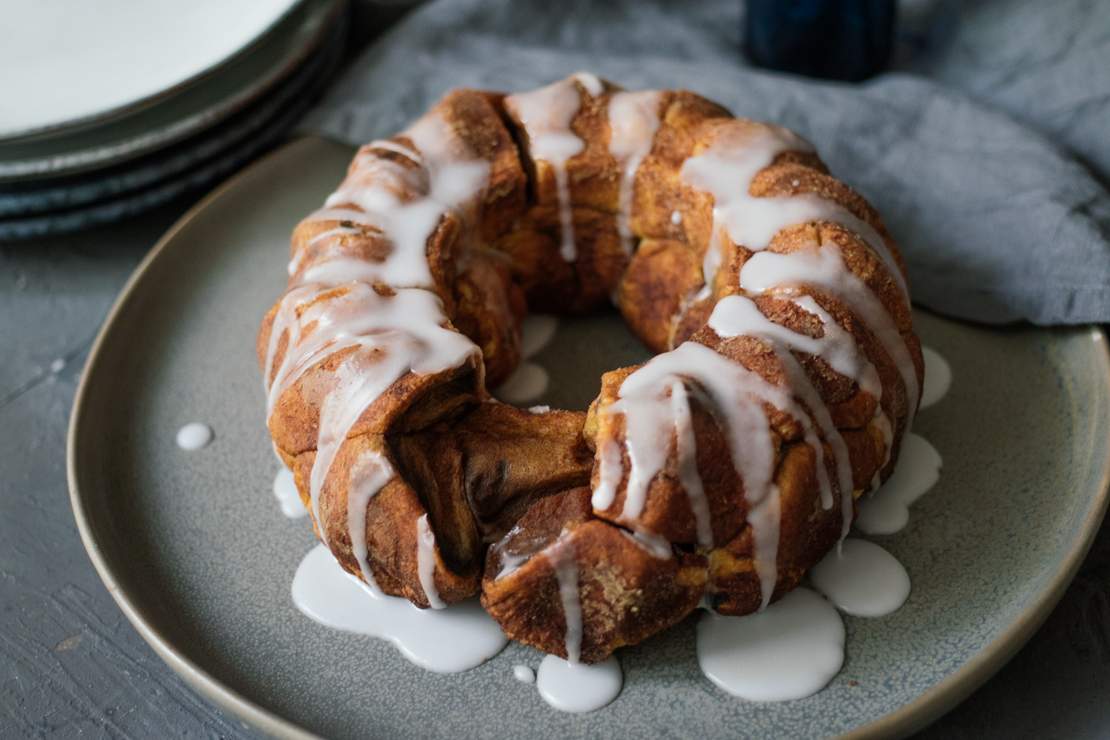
(221, 94)
(66, 63)
(37, 201)
(227, 149)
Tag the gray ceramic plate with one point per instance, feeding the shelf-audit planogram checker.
(200, 559)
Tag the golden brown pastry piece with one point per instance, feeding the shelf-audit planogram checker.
(722, 469)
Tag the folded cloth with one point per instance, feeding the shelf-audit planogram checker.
(998, 222)
(1047, 64)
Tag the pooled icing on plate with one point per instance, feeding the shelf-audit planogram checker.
(862, 579)
(285, 491)
(536, 332)
(886, 510)
(579, 687)
(441, 640)
(527, 383)
(790, 650)
(938, 377)
(193, 436)
(524, 674)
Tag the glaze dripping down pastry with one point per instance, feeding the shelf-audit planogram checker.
(787, 370)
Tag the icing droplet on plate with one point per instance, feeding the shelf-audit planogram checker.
(862, 579)
(790, 650)
(887, 510)
(578, 687)
(527, 383)
(449, 640)
(194, 436)
(524, 674)
(285, 491)
(938, 377)
(536, 332)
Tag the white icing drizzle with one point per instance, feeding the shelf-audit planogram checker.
(737, 395)
(426, 562)
(368, 475)
(862, 579)
(591, 82)
(285, 491)
(653, 544)
(687, 457)
(444, 641)
(790, 650)
(540, 409)
(524, 674)
(736, 315)
(765, 520)
(397, 148)
(389, 336)
(882, 422)
(938, 377)
(610, 472)
(298, 258)
(326, 234)
(633, 121)
(193, 436)
(527, 383)
(886, 511)
(823, 267)
(510, 563)
(654, 398)
(546, 114)
(382, 337)
(404, 203)
(578, 687)
(726, 171)
(562, 556)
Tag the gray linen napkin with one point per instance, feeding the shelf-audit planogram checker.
(997, 221)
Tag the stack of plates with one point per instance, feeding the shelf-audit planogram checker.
(114, 107)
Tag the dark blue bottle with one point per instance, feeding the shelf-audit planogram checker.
(832, 39)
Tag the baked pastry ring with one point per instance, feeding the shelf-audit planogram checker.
(721, 470)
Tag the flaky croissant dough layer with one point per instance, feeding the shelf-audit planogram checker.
(506, 492)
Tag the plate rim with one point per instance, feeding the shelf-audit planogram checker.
(914, 715)
(107, 116)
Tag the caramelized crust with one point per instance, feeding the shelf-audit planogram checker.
(625, 592)
(507, 492)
